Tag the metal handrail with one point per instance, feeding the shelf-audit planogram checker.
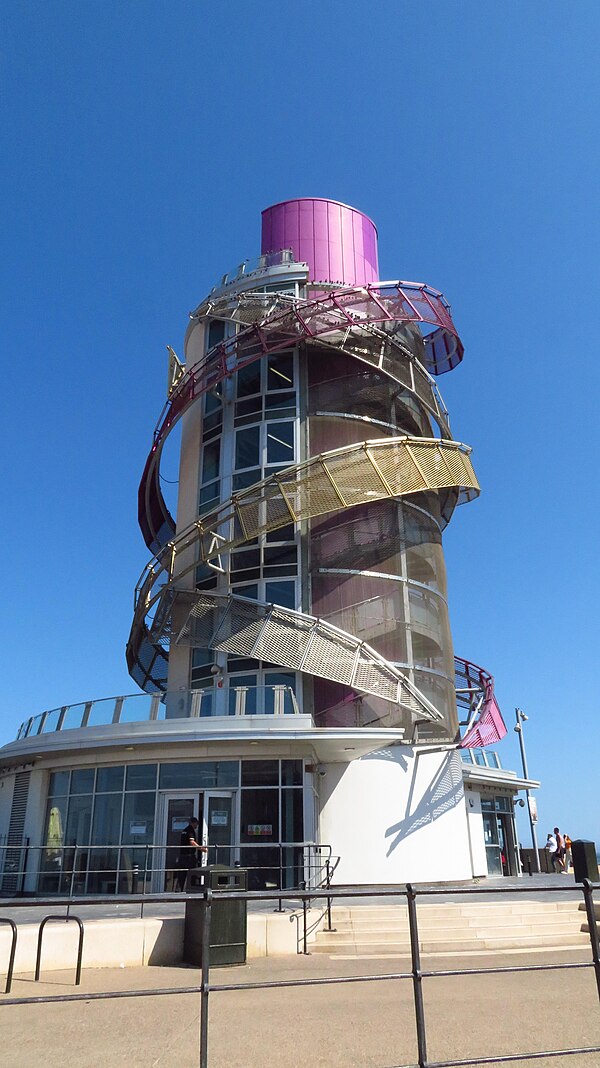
(71, 864)
(416, 974)
(195, 704)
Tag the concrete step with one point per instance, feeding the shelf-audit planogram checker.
(456, 934)
(402, 948)
(582, 908)
(365, 930)
(474, 926)
(363, 912)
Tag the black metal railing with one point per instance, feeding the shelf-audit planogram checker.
(415, 975)
(117, 869)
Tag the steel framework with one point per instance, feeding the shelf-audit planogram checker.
(403, 330)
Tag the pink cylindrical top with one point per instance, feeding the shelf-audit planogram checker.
(339, 243)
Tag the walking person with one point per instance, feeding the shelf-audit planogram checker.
(568, 855)
(558, 858)
(189, 848)
(550, 848)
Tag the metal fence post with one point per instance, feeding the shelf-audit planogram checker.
(280, 902)
(145, 878)
(73, 866)
(328, 885)
(588, 895)
(417, 976)
(204, 982)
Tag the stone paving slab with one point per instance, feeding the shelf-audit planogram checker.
(357, 1025)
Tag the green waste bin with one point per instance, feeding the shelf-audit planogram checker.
(228, 919)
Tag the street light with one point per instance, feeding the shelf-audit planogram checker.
(519, 730)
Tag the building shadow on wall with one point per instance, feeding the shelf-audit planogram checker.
(444, 792)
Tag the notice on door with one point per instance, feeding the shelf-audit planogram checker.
(219, 817)
(260, 830)
(179, 823)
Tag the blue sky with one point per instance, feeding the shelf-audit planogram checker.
(140, 142)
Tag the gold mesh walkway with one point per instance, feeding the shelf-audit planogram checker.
(386, 468)
(342, 478)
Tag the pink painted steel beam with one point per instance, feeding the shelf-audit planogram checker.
(489, 726)
(397, 302)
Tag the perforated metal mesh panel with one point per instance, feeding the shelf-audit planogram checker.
(296, 640)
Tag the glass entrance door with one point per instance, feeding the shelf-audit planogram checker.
(215, 811)
(178, 810)
(493, 851)
(218, 828)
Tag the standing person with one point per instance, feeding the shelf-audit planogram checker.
(189, 847)
(550, 848)
(559, 855)
(568, 844)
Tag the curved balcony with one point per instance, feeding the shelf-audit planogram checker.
(174, 704)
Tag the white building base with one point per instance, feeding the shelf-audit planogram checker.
(396, 816)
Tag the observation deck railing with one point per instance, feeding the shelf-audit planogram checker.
(482, 758)
(251, 266)
(217, 701)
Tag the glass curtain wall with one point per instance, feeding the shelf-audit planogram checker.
(377, 570)
(101, 834)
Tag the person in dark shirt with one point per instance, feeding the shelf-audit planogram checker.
(189, 847)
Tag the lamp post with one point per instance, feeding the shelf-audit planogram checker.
(519, 730)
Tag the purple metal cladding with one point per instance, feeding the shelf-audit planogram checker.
(338, 242)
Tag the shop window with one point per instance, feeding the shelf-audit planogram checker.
(194, 775)
(141, 777)
(260, 773)
(79, 821)
(259, 816)
(110, 780)
(82, 782)
(106, 826)
(59, 783)
(292, 820)
(138, 819)
(291, 772)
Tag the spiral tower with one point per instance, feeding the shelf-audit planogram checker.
(317, 474)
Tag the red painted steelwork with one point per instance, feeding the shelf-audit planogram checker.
(393, 302)
(489, 727)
